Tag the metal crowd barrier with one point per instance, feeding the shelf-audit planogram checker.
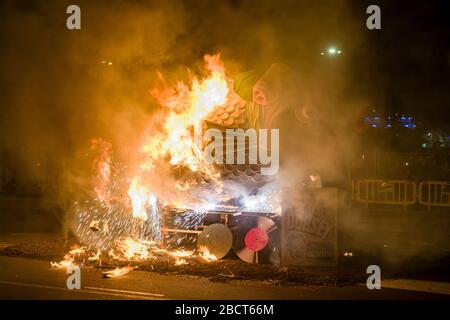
(434, 193)
(391, 192)
(401, 192)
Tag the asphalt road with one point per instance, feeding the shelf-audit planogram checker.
(33, 279)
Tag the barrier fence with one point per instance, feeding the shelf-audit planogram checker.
(434, 193)
(401, 192)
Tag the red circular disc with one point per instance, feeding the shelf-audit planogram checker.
(256, 239)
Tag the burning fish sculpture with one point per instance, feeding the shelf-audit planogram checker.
(173, 193)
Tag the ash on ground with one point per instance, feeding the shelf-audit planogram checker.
(223, 270)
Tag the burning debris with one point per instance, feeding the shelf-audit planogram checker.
(206, 255)
(133, 250)
(69, 258)
(118, 272)
(173, 193)
(130, 250)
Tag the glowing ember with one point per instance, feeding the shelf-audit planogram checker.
(69, 258)
(113, 255)
(61, 264)
(118, 272)
(140, 198)
(206, 255)
(180, 253)
(179, 262)
(134, 250)
(95, 257)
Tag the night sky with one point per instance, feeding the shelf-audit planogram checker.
(409, 59)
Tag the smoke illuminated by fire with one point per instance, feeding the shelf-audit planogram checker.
(102, 164)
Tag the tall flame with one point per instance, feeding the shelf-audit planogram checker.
(187, 106)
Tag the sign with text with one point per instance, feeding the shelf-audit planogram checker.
(309, 229)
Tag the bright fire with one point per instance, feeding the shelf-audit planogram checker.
(134, 250)
(102, 165)
(206, 255)
(69, 258)
(118, 272)
(187, 106)
(172, 142)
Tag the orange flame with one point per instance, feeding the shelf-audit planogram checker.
(187, 106)
(206, 255)
(118, 272)
(102, 166)
(180, 262)
(69, 258)
(134, 250)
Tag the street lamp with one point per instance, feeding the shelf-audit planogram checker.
(331, 51)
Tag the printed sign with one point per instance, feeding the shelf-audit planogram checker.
(309, 229)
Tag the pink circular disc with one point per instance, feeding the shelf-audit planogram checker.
(256, 239)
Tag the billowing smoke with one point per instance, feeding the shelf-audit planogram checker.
(63, 88)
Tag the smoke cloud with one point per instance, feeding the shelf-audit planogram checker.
(63, 88)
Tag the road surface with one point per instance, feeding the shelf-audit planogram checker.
(33, 279)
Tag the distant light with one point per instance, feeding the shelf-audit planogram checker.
(110, 63)
(348, 254)
(331, 51)
(374, 126)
